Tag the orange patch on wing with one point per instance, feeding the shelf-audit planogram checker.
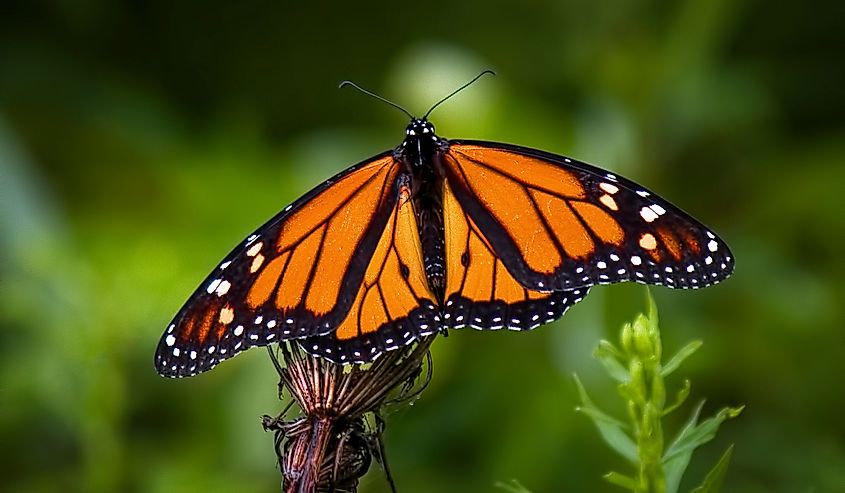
(319, 208)
(227, 314)
(409, 252)
(188, 330)
(671, 243)
(479, 275)
(398, 253)
(263, 286)
(692, 243)
(206, 324)
(457, 229)
(537, 295)
(511, 205)
(343, 233)
(506, 288)
(649, 243)
(373, 315)
(348, 329)
(600, 222)
(475, 281)
(400, 296)
(533, 172)
(290, 291)
(567, 228)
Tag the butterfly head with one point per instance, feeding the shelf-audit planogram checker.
(420, 128)
(420, 143)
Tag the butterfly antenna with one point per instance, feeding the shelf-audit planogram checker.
(456, 91)
(370, 93)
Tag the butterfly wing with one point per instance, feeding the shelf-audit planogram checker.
(394, 304)
(560, 224)
(296, 276)
(480, 291)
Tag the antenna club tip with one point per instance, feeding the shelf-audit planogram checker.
(345, 83)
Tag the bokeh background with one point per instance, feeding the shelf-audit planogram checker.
(139, 141)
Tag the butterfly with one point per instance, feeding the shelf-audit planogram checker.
(436, 234)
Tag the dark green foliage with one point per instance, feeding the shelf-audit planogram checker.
(638, 368)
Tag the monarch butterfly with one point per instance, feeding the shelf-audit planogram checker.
(432, 235)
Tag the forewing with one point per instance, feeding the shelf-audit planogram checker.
(296, 276)
(560, 224)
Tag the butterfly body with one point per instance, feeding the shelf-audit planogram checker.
(433, 235)
(419, 155)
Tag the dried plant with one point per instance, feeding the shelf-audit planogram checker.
(331, 444)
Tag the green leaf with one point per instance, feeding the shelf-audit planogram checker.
(681, 397)
(652, 307)
(714, 479)
(677, 456)
(611, 429)
(621, 480)
(702, 433)
(512, 486)
(675, 467)
(609, 357)
(679, 357)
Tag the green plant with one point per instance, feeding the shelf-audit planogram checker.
(638, 369)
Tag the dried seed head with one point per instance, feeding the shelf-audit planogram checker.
(329, 446)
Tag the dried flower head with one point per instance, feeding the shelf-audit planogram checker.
(330, 445)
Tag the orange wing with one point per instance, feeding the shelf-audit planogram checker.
(394, 304)
(558, 224)
(480, 292)
(299, 275)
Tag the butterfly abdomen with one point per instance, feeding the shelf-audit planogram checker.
(428, 205)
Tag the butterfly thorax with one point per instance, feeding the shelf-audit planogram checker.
(420, 144)
(418, 155)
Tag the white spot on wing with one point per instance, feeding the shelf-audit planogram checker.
(648, 214)
(609, 188)
(254, 249)
(608, 202)
(213, 286)
(256, 263)
(223, 288)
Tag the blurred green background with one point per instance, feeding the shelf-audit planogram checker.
(140, 141)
